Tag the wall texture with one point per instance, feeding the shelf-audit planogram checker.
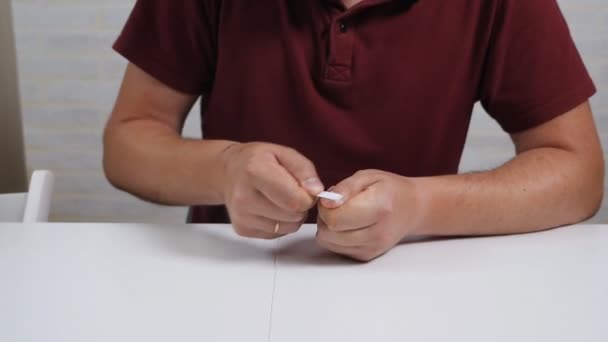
(69, 77)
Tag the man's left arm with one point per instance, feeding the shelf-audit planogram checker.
(556, 179)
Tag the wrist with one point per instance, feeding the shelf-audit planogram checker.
(419, 205)
(224, 169)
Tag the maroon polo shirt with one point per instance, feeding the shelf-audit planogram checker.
(386, 84)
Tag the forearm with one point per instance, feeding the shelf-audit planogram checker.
(539, 189)
(151, 161)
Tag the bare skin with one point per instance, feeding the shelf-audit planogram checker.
(555, 179)
(144, 154)
(351, 3)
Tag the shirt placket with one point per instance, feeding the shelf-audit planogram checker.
(339, 67)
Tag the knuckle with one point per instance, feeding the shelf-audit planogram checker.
(296, 204)
(244, 230)
(302, 216)
(240, 198)
(255, 148)
(361, 173)
(291, 150)
(261, 152)
(296, 217)
(364, 256)
(369, 173)
(258, 155)
(241, 230)
(364, 173)
(241, 225)
(385, 208)
(291, 228)
(292, 204)
(306, 165)
(252, 167)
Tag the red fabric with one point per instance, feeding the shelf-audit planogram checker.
(384, 85)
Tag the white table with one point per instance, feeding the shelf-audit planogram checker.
(115, 282)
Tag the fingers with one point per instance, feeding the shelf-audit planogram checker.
(262, 228)
(366, 202)
(281, 188)
(262, 206)
(267, 184)
(353, 245)
(360, 227)
(302, 169)
(354, 238)
(350, 252)
(336, 244)
(351, 187)
(365, 209)
(277, 183)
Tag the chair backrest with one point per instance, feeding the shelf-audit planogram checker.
(38, 203)
(30, 207)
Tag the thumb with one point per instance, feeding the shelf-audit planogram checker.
(350, 187)
(301, 168)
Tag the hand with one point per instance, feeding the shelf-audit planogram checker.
(378, 210)
(267, 184)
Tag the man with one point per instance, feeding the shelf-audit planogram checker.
(372, 96)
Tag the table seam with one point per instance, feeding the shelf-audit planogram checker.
(274, 282)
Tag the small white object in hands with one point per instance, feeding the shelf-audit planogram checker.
(332, 196)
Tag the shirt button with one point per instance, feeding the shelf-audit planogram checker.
(343, 27)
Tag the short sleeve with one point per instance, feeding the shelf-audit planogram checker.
(533, 72)
(173, 41)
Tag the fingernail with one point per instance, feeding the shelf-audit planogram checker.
(313, 185)
(341, 201)
(337, 204)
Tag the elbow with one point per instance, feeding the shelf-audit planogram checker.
(121, 168)
(599, 186)
(592, 193)
(110, 164)
(109, 172)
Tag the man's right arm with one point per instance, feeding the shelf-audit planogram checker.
(261, 184)
(144, 153)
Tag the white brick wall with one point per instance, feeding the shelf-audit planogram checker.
(69, 77)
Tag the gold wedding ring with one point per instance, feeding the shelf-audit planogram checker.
(276, 228)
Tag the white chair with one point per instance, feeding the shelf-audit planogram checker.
(32, 206)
